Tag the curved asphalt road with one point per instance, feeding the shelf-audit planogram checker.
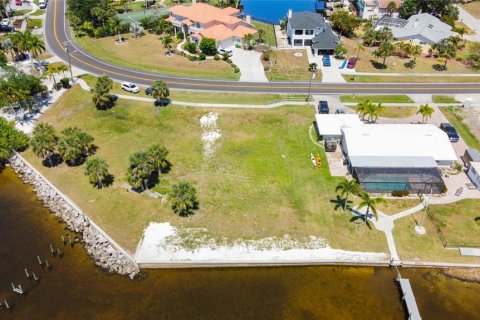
(57, 33)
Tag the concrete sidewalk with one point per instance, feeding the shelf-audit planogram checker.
(471, 22)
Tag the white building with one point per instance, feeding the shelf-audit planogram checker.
(330, 126)
(372, 9)
(389, 157)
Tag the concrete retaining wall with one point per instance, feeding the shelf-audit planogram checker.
(103, 249)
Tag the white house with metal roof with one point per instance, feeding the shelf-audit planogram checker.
(423, 28)
(392, 157)
(330, 126)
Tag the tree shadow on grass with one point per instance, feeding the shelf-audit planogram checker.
(53, 161)
(439, 67)
(378, 65)
(108, 181)
(339, 203)
(477, 219)
(361, 219)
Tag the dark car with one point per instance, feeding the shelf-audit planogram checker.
(149, 4)
(148, 91)
(323, 107)
(450, 131)
(351, 63)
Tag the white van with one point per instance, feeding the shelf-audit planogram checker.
(42, 4)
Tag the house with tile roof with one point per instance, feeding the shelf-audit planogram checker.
(201, 20)
(309, 30)
(369, 9)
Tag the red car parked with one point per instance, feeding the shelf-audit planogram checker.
(18, 2)
(351, 63)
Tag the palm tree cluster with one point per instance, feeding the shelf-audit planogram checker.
(351, 187)
(370, 111)
(21, 42)
(101, 93)
(446, 49)
(426, 111)
(19, 90)
(75, 145)
(54, 69)
(147, 165)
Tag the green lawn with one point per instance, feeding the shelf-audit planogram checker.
(148, 54)
(207, 97)
(34, 23)
(39, 12)
(258, 183)
(378, 98)
(289, 65)
(396, 111)
(269, 37)
(410, 79)
(455, 117)
(459, 222)
(444, 99)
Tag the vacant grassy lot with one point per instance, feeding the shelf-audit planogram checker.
(410, 79)
(269, 37)
(428, 247)
(206, 97)
(444, 99)
(378, 98)
(396, 111)
(459, 222)
(456, 118)
(258, 183)
(473, 8)
(148, 54)
(39, 12)
(286, 66)
(368, 63)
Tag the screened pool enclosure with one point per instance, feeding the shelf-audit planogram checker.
(415, 180)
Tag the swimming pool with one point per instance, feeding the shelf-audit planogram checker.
(272, 11)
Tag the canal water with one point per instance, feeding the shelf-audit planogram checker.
(272, 11)
(75, 289)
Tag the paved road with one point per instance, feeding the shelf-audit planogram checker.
(58, 34)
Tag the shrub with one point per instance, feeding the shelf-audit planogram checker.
(190, 47)
(192, 58)
(229, 61)
(216, 58)
(65, 82)
(237, 70)
(202, 56)
(180, 35)
(400, 193)
(444, 189)
(266, 56)
(58, 86)
(208, 46)
(233, 65)
(225, 56)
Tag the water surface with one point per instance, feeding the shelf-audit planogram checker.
(272, 11)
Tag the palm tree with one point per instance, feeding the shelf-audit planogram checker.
(160, 90)
(167, 42)
(379, 108)
(426, 111)
(102, 101)
(371, 204)
(74, 144)
(391, 7)
(347, 187)
(36, 47)
(44, 141)
(61, 67)
(157, 155)
(140, 170)
(416, 50)
(97, 171)
(363, 107)
(360, 47)
(247, 40)
(461, 32)
(52, 70)
(183, 199)
(116, 25)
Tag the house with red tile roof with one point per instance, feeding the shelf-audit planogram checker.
(201, 20)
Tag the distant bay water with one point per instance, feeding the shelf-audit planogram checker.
(272, 11)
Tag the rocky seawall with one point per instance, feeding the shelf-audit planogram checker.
(106, 253)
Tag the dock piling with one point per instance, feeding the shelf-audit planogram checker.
(27, 274)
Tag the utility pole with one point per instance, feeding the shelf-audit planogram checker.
(69, 60)
(313, 69)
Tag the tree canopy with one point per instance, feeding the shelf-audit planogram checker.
(183, 198)
(208, 46)
(11, 140)
(345, 23)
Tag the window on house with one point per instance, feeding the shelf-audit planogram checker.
(430, 26)
(299, 32)
(307, 42)
(308, 32)
(297, 42)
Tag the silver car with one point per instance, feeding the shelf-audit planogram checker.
(130, 87)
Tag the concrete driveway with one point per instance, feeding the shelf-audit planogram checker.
(251, 68)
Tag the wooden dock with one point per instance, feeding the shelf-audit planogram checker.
(409, 298)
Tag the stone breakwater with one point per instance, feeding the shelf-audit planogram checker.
(106, 253)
